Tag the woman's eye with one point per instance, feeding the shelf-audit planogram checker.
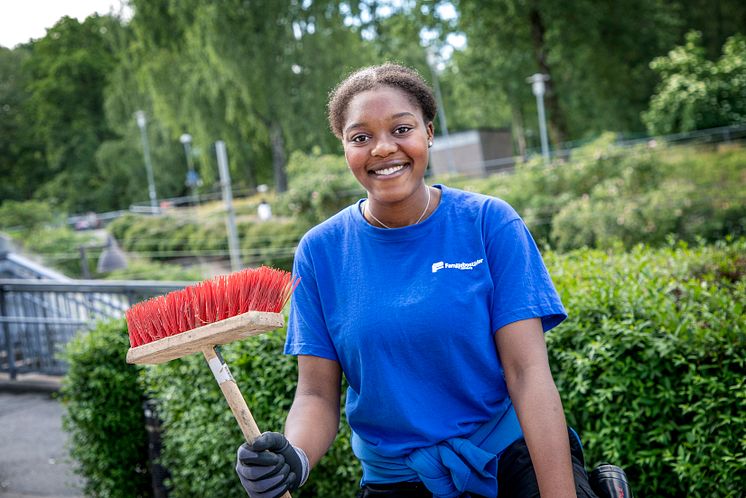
(359, 139)
(402, 129)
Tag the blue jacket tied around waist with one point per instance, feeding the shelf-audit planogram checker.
(454, 466)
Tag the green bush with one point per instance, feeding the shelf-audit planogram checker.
(651, 364)
(104, 415)
(655, 195)
(271, 243)
(143, 269)
(25, 214)
(605, 194)
(119, 226)
(318, 187)
(201, 437)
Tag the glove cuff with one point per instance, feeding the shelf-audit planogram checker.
(305, 466)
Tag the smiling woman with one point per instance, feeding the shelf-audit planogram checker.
(433, 303)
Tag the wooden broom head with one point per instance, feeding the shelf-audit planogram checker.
(215, 311)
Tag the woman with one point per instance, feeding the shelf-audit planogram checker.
(433, 303)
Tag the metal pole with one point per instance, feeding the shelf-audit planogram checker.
(538, 88)
(192, 179)
(543, 128)
(225, 182)
(141, 123)
(10, 354)
(84, 262)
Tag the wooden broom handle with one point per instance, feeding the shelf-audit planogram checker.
(233, 396)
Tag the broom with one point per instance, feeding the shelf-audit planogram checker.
(200, 317)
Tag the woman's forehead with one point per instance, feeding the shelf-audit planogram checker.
(381, 103)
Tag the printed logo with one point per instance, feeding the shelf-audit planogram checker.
(440, 265)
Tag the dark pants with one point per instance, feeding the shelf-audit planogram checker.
(515, 477)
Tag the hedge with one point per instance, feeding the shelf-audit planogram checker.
(651, 366)
(201, 436)
(104, 415)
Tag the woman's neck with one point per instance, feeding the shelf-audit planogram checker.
(408, 212)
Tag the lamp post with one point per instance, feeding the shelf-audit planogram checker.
(225, 181)
(112, 258)
(432, 62)
(538, 88)
(141, 123)
(192, 178)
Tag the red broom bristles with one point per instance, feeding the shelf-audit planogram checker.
(253, 289)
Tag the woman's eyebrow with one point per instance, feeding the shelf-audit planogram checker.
(394, 116)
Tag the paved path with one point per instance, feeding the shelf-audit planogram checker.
(34, 462)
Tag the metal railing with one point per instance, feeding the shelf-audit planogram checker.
(38, 317)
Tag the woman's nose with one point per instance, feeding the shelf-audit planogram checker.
(384, 147)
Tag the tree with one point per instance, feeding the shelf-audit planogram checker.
(596, 54)
(22, 162)
(251, 73)
(68, 73)
(695, 93)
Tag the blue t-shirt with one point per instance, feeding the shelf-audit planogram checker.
(410, 314)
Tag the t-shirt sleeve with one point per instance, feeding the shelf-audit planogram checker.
(307, 331)
(523, 288)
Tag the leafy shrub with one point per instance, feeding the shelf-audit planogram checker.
(143, 269)
(271, 243)
(605, 194)
(656, 195)
(651, 364)
(104, 415)
(25, 214)
(200, 435)
(119, 226)
(318, 187)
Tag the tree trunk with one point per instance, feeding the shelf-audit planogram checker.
(279, 159)
(555, 115)
(518, 131)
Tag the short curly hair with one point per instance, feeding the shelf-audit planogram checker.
(368, 78)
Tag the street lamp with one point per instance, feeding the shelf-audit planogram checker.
(192, 179)
(141, 123)
(432, 62)
(112, 258)
(538, 88)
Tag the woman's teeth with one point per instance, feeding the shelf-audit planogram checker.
(389, 171)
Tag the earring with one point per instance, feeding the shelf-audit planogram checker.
(429, 143)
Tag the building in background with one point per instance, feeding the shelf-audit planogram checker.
(472, 153)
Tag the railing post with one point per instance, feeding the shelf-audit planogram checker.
(11, 355)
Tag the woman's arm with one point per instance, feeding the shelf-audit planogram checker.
(313, 420)
(523, 354)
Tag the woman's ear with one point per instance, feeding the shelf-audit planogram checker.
(430, 131)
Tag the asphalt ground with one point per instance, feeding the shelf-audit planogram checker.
(34, 461)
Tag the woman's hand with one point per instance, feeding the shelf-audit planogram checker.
(270, 466)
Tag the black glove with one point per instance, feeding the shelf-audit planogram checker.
(270, 466)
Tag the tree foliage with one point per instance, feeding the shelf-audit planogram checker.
(256, 75)
(696, 93)
(68, 72)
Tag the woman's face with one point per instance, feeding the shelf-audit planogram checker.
(385, 141)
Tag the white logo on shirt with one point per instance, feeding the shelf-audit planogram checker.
(440, 265)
